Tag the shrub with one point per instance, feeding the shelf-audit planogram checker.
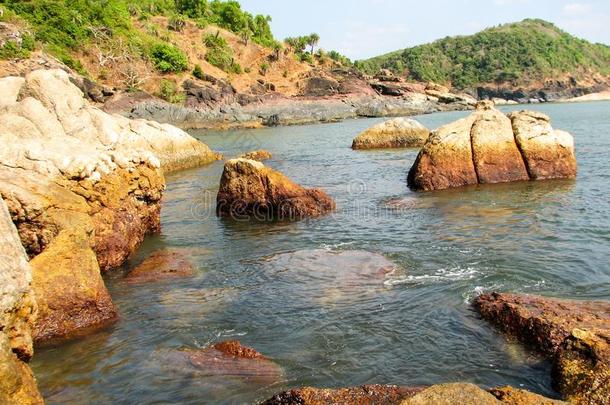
(168, 91)
(168, 59)
(220, 54)
(176, 23)
(264, 68)
(198, 72)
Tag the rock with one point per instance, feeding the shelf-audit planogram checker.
(548, 153)
(249, 190)
(83, 188)
(71, 296)
(320, 87)
(496, 156)
(363, 395)
(575, 333)
(258, 155)
(449, 394)
(161, 265)
(446, 159)
(452, 394)
(17, 315)
(229, 359)
(487, 147)
(513, 396)
(386, 89)
(396, 133)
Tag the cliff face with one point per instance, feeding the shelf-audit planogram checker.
(17, 312)
(83, 188)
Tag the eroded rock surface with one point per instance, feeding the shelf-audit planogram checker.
(444, 394)
(575, 333)
(489, 147)
(17, 315)
(258, 155)
(250, 190)
(364, 395)
(83, 188)
(161, 265)
(396, 133)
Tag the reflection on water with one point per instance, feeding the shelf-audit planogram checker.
(377, 292)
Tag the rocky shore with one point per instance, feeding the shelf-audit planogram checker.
(83, 189)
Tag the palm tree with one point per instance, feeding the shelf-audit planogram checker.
(313, 40)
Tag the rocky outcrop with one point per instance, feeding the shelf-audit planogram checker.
(249, 190)
(258, 155)
(83, 188)
(488, 147)
(449, 394)
(161, 265)
(576, 334)
(364, 395)
(17, 315)
(396, 133)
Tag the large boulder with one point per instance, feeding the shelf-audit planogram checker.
(576, 334)
(489, 147)
(250, 190)
(451, 394)
(17, 314)
(363, 395)
(83, 188)
(548, 153)
(395, 133)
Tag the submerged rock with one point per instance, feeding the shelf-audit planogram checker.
(83, 188)
(249, 190)
(17, 315)
(396, 133)
(161, 265)
(575, 333)
(229, 360)
(258, 155)
(488, 147)
(363, 395)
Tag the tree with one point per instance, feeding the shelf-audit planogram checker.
(192, 8)
(312, 40)
(246, 34)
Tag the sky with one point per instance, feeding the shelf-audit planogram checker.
(361, 29)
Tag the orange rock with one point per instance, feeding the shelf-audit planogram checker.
(249, 190)
(363, 395)
(163, 264)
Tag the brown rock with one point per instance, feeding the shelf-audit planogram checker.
(513, 396)
(258, 155)
(249, 190)
(364, 395)
(548, 153)
(17, 314)
(446, 159)
(581, 371)
(486, 147)
(396, 133)
(229, 359)
(575, 333)
(71, 296)
(163, 264)
(496, 156)
(452, 394)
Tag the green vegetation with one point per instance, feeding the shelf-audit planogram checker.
(18, 50)
(220, 54)
(168, 91)
(521, 52)
(198, 72)
(64, 27)
(168, 59)
(299, 46)
(337, 57)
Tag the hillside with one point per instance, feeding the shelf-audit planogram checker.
(519, 54)
(156, 45)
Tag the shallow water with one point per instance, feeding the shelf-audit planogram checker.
(377, 292)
